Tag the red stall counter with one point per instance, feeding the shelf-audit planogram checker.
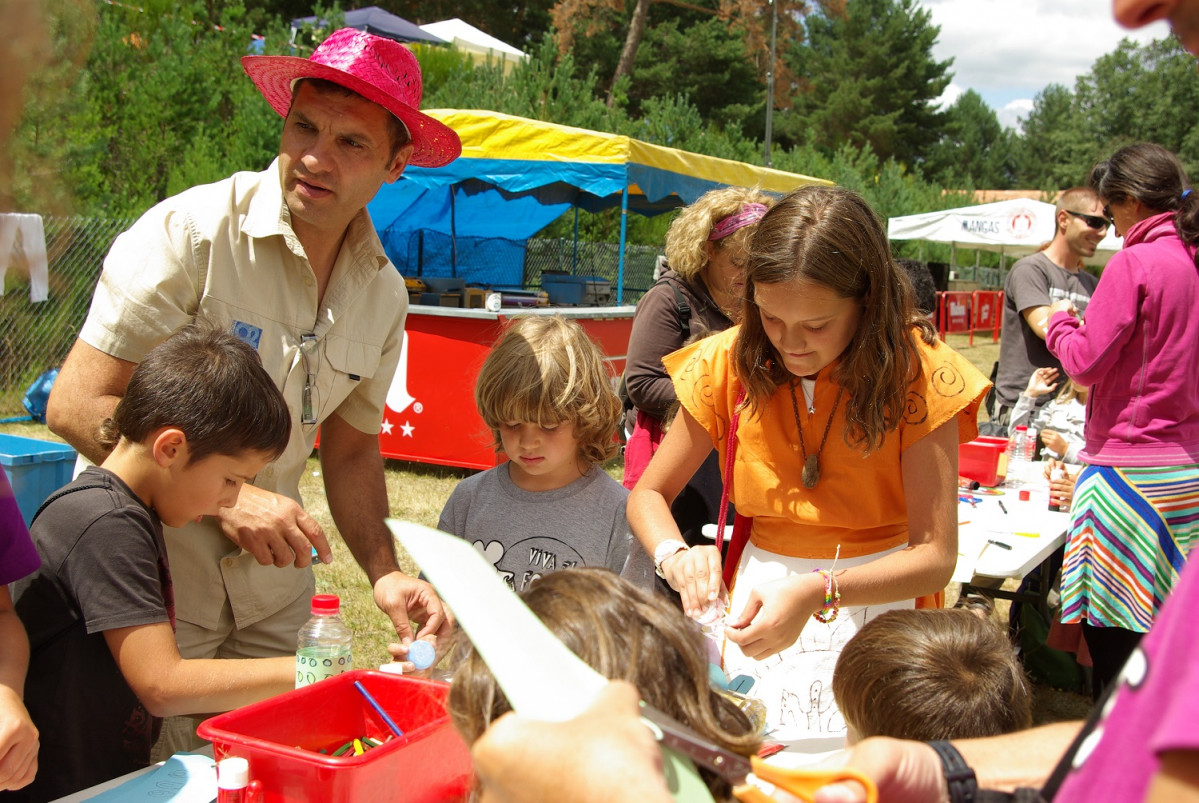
(431, 415)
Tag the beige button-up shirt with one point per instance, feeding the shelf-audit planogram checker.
(226, 252)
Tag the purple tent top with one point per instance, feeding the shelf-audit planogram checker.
(375, 20)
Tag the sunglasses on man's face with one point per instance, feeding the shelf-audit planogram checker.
(1094, 221)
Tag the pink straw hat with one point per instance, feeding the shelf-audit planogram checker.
(381, 70)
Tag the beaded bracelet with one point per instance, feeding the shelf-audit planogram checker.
(832, 598)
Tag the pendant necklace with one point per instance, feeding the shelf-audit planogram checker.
(809, 393)
(811, 463)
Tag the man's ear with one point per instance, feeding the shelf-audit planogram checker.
(399, 163)
(170, 446)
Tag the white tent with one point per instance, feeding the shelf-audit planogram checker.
(1013, 228)
(471, 40)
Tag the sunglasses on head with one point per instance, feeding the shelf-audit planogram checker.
(1094, 221)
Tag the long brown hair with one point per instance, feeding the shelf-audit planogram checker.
(831, 236)
(623, 633)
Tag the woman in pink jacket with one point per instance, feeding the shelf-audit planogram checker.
(1136, 508)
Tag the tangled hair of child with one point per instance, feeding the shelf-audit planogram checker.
(546, 370)
(624, 633)
(931, 674)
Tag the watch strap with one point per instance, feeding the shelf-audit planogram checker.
(959, 777)
(666, 550)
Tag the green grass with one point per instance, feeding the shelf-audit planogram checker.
(418, 492)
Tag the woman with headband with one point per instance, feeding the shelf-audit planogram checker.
(699, 293)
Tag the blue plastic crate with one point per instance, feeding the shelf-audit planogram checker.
(36, 469)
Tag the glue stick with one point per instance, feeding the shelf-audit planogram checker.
(422, 654)
(233, 783)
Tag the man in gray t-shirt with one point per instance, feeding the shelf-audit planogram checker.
(1037, 281)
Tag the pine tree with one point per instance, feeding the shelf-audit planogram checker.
(869, 78)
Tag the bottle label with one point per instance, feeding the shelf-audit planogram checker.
(318, 663)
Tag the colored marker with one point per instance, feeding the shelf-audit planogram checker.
(378, 708)
(999, 544)
(1001, 507)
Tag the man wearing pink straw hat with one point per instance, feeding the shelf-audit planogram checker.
(289, 260)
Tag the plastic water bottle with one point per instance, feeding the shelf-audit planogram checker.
(1017, 457)
(1056, 474)
(323, 646)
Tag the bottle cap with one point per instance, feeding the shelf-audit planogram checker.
(325, 603)
(422, 654)
(232, 773)
(1025, 496)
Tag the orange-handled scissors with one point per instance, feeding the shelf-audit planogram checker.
(753, 779)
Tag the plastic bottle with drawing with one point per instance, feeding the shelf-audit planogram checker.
(323, 646)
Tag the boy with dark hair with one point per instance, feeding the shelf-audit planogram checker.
(931, 674)
(199, 418)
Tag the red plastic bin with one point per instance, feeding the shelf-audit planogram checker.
(983, 460)
(281, 738)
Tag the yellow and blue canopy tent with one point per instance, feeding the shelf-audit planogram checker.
(517, 175)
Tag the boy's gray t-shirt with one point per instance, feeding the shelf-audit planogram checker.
(525, 534)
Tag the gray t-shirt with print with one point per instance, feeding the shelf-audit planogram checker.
(525, 534)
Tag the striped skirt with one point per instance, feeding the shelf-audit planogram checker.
(1129, 538)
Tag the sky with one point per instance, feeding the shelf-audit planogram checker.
(1009, 50)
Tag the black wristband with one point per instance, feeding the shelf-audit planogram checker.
(963, 786)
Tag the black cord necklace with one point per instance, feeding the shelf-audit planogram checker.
(811, 464)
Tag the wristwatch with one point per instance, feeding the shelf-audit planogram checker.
(959, 777)
(667, 549)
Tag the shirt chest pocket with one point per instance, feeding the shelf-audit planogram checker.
(352, 362)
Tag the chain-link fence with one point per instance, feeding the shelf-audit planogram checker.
(36, 337)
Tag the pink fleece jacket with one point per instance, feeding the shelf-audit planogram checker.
(1138, 349)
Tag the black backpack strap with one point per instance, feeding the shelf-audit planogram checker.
(61, 492)
(680, 305)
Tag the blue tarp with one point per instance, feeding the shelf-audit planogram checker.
(515, 176)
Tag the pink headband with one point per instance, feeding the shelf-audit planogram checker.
(749, 214)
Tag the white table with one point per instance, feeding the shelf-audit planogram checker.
(1029, 528)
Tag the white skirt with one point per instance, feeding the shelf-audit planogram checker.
(796, 685)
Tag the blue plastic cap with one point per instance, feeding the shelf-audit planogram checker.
(421, 654)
